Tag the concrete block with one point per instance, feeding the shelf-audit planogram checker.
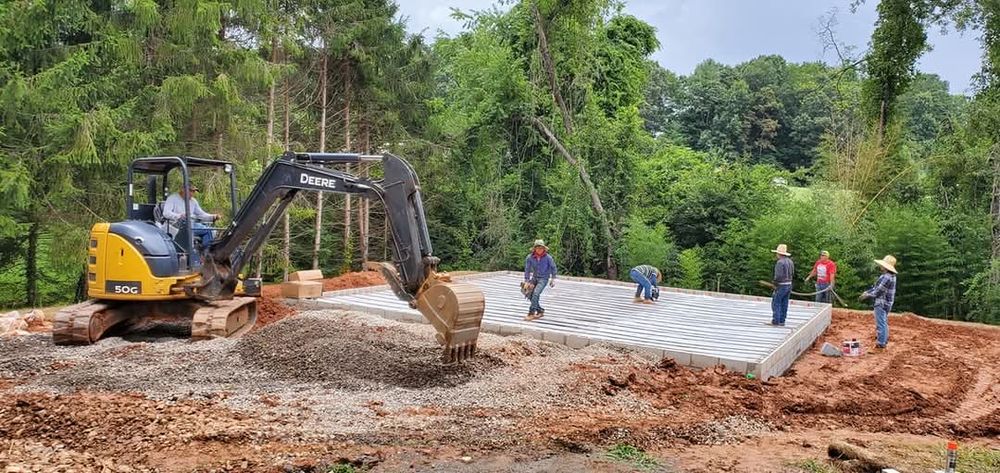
(510, 330)
(533, 333)
(554, 337)
(576, 341)
(734, 365)
(307, 275)
(651, 354)
(302, 289)
(682, 358)
(702, 361)
(490, 328)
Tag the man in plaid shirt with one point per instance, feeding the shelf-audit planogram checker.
(884, 293)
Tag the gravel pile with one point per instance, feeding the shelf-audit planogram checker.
(730, 430)
(342, 373)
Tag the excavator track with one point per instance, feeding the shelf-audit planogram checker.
(85, 323)
(224, 319)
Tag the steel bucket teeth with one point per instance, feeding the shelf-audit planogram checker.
(458, 354)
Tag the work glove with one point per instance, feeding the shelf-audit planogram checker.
(552, 283)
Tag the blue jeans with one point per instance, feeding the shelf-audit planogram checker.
(645, 285)
(200, 230)
(779, 303)
(537, 294)
(823, 296)
(881, 326)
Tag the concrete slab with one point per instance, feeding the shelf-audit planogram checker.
(696, 328)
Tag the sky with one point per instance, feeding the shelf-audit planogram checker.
(734, 31)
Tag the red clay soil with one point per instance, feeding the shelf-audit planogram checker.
(935, 378)
(270, 307)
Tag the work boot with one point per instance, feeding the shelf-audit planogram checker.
(647, 301)
(638, 298)
(530, 316)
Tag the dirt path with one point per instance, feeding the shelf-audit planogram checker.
(327, 388)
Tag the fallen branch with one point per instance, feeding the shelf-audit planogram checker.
(866, 460)
(595, 198)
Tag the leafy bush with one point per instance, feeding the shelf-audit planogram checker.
(928, 282)
(807, 227)
(983, 296)
(644, 244)
(692, 269)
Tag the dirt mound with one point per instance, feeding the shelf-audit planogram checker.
(347, 353)
(934, 379)
(271, 309)
(353, 280)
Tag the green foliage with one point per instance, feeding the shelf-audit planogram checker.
(983, 295)
(644, 244)
(807, 227)
(632, 455)
(899, 39)
(692, 269)
(927, 282)
(693, 171)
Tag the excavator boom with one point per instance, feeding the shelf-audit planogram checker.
(455, 310)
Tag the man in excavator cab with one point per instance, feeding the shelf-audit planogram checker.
(140, 269)
(173, 212)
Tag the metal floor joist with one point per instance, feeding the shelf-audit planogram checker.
(695, 328)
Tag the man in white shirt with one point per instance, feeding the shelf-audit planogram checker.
(173, 210)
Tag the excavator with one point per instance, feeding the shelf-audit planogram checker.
(149, 269)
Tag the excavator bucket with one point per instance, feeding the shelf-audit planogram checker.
(456, 312)
(454, 309)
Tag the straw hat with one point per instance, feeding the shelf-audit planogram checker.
(541, 243)
(824, 253)
(782, 250)
(889, 263)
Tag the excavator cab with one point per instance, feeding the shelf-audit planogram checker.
(159, 172)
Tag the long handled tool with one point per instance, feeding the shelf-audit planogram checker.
(770, 285)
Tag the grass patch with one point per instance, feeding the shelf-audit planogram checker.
(814, 466)
(630, 454)
(974, 459)
(342, 468)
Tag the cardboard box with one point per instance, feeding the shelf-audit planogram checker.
(307, 275)
(302, 289)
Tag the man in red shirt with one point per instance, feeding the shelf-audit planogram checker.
(825, 271)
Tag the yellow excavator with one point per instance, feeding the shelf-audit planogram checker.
(149, 268)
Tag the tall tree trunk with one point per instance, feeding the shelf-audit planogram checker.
(31, 267)
(270, 97)
(286, 248)
(595, 198)
(347, 147)
(270, 136)
(363, 204)
(550, 68)
(318, 237)
(995, 212)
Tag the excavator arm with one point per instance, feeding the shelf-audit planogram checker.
(455, 310)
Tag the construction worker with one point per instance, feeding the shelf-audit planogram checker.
(173, 210)
(884, 293)
(784, 271)
(825, 271)
(646, 277)
(539, 270)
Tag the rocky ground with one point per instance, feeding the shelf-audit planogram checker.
(341, 391)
